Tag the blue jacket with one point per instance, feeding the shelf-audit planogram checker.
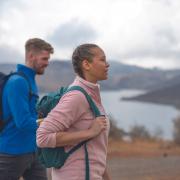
(19, 135)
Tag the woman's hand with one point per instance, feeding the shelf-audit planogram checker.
(99, 124)
(70, 138)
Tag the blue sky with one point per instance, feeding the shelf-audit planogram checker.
(140, 32)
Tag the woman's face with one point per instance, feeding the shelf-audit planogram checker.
(98, 67)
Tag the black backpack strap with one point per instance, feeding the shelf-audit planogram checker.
(30, 91)
(20, 73)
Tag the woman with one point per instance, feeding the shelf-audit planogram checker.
(72, 121)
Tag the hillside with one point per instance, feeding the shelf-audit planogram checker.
(121, 76)
(169, 95)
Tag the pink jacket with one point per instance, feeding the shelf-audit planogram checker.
(73, 113)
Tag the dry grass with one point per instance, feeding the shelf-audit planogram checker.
(123, 158)
(143, 160)
(140, 148)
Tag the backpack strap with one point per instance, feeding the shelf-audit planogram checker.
(30, 91)
(96, 113)
(20, 73)
(93, 106)
(87, 176)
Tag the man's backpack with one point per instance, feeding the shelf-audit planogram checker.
(56, 157)
(3, 80)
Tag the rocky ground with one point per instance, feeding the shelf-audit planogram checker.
(151, 168)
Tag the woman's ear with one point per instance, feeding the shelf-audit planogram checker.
(86, 65)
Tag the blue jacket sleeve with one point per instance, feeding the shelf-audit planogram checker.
(18, 99)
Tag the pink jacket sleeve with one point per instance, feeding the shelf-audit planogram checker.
(71, 106)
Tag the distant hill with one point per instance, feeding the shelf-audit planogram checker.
(58, 73)
(6, 68)
(170, 95)
(121, 76)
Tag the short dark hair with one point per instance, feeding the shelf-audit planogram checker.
(82, 52)
(36, 44)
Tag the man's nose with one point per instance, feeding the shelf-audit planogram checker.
(47, 63)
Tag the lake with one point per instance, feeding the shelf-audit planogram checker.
(154, 117)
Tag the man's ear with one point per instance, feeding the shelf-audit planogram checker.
(30, 56)
(86, 65)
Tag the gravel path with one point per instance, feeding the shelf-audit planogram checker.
(156, 168)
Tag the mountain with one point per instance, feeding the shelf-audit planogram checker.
(6, 68)
(121, 76)
(169, 94)
(58, 73)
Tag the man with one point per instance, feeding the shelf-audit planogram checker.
(18, 138)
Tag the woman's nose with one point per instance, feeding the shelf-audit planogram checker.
(107, 64)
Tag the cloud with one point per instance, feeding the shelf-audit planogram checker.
(163, 44)
(73, 33)
(2, 3)
(9, 4)
(136, 31)
(147, 31)
(8, 13)
(9, 54)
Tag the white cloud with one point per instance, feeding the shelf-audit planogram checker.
(143, 32)
(9, 54)
(72, 33)
(68, 36)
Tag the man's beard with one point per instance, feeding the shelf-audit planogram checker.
(40, 70)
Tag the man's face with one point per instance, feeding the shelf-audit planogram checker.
(40, 61)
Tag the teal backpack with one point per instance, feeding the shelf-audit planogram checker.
(56, 157)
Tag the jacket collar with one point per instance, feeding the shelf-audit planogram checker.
(88, 84)
(28, 71)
